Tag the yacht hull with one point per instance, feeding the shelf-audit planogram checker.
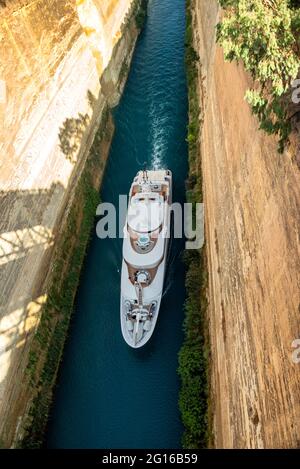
(141, 299)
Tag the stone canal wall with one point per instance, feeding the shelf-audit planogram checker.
(62, 65)
(252, 208)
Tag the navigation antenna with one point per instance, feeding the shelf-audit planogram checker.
(145, 175)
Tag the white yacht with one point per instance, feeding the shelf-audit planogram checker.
(145, 245)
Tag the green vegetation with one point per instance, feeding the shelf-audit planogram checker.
(124, 72)
(192, 61)
(265, 36)
(50, 336)
(193, 356)
(141, 14)
(138, 11)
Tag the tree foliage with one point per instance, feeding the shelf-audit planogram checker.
(264, 35)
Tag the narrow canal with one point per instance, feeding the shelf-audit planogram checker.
(108, 395)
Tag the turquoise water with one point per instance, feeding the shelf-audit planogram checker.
(109, 395)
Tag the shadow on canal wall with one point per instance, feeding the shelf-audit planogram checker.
(71, 245)
(43, 257)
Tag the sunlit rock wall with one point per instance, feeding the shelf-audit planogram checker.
(252, 209)
(53, 56)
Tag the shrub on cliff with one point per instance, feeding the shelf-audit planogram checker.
(264, 35)
(193, 362)
(141, 13)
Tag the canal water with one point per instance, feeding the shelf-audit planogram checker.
(109, 395)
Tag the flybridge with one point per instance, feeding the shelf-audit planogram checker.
(146, 211)
(145, 216)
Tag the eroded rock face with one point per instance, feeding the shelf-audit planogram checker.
(53, 56)
(252, 208)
